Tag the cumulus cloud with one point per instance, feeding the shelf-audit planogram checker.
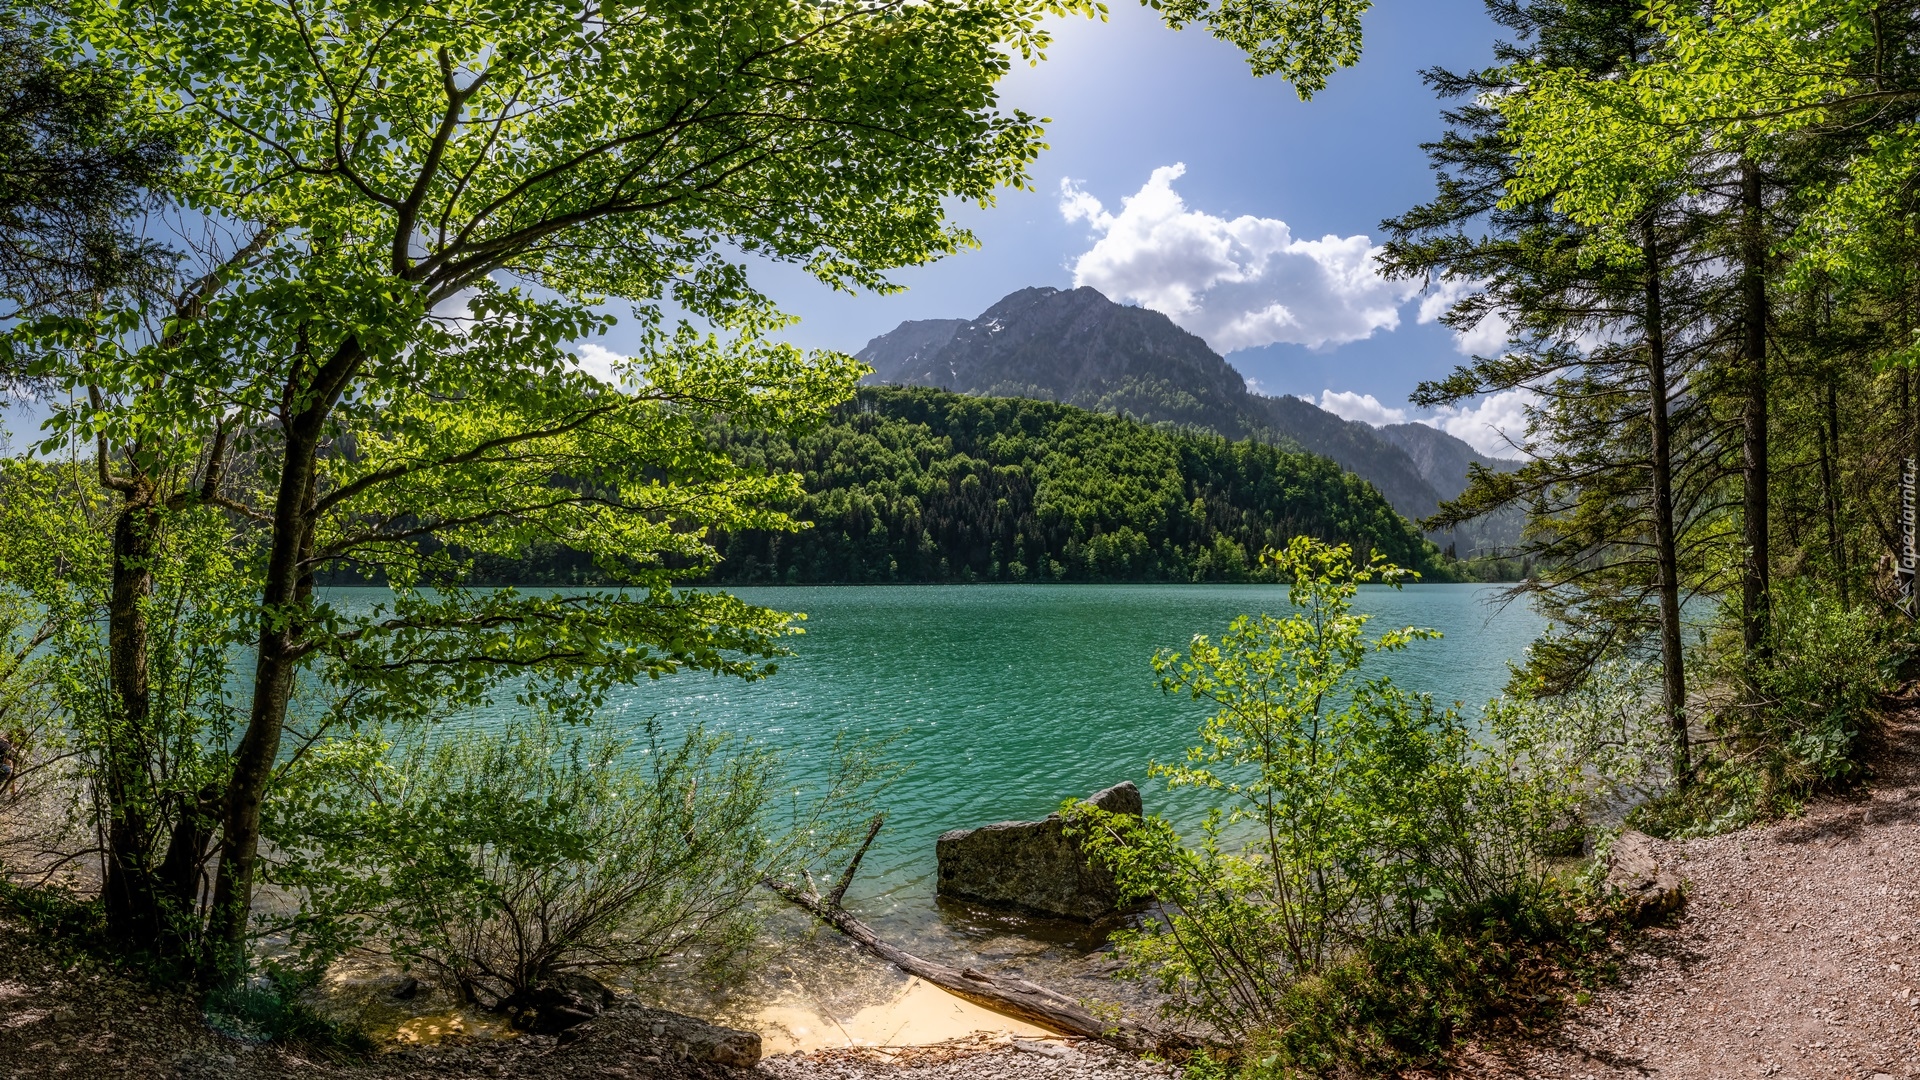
(1494, 426)
(1487, 336)
(1239, 283)
(1362, 407)
(600, 362)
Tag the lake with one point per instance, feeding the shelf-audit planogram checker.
(1006, 699)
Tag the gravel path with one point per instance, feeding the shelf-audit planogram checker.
(1021, 1060)
(1798, 956)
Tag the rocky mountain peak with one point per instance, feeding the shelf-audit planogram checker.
(1078, 347)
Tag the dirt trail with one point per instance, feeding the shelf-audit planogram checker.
(1798, 956)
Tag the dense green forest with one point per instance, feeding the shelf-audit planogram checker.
(921, 485)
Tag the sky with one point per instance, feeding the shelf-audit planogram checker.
(1178, 181)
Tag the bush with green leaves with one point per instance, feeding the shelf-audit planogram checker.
(1788, 721)
(1818, 691)
(1606, 734)
(121, 746)
(1351, 810)
(498, 860)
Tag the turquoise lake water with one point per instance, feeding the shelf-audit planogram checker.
(1007, 699)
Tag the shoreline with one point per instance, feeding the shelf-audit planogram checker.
(1795, 957)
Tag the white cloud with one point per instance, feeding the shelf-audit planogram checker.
(1239, 283)
(1486, 426)
(1487, 336)
(601, 362)
(1494, 426)
(1362, 407)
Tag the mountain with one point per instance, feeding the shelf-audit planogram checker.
(1078, 347)
(1443, 460)
(1074, 347)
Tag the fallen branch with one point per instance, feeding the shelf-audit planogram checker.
(1013, 997)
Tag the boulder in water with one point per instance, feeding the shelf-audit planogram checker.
(1032, 865)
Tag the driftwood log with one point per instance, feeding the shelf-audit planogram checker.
(1013, 997)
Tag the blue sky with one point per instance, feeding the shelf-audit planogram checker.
(1128, 97)
(1251, 211)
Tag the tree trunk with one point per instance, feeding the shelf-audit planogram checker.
(132, 909)
(1830, 481)
(287, 586)
(1672, 658)
(1755, 588)
(1008, 996)
(179, 879)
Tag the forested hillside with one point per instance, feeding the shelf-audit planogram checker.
(916, 485)
(1081, 348)
(1078, 347)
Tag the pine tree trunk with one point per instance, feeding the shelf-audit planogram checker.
(1830, 481)
(1755, 588)
(1672, 658)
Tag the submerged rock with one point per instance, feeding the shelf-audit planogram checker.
(1647, 889)
(1032, 865)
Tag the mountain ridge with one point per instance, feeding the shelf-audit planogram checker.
(1080, 348)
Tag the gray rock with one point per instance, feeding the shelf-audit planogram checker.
(688, 1039)
(565, 1001)
(1646, 889)
(1031, 865)
(636, 1033)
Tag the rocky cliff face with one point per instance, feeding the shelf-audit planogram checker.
(902, 353)
(1442, 459)
(1083, 349)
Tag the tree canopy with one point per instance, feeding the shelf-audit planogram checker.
(416, 211)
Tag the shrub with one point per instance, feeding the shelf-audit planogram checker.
(272, 1007)
(1787, 722)
(1401, 1000)
(1816, 693)
(502, 860)
(1365, 812)
(1604, 738)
